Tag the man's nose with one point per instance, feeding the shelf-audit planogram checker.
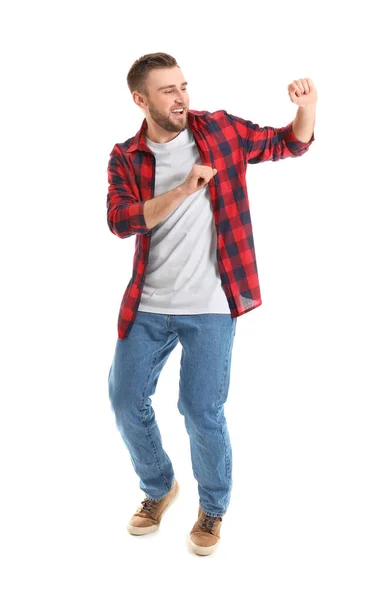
(180, 99)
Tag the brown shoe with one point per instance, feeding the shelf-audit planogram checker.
(205, 535)
(149, 513)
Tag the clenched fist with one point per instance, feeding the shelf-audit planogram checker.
(303, 92)
(198, 177)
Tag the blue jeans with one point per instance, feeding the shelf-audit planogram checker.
(206, 341)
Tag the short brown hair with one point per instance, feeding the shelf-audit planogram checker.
(136, 78)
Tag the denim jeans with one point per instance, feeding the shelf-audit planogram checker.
(207, 341)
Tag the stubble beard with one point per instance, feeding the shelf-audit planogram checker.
(168, 123)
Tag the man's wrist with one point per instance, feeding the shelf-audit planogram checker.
(183, 190)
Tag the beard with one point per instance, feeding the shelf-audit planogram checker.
(169, 123)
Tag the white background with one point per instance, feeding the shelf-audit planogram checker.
(303, 406)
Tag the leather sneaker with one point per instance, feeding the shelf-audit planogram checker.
(149, 513)
(205, 535)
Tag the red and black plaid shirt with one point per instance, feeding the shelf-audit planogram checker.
(227, 143)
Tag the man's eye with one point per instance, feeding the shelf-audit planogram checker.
(170, 91)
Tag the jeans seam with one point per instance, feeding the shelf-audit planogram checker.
(147, 428)
(220, 407)
(157, 499)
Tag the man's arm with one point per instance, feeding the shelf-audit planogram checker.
(268, 143)
(156, 209)
(303, 124)
(126, 216)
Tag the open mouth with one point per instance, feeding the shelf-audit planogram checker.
(178, 112)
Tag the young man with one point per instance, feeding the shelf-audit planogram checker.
(179, 186)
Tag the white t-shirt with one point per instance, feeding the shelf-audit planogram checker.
(182, 274)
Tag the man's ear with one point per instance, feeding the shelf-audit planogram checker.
(139, 100)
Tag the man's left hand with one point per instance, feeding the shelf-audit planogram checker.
(302, 92)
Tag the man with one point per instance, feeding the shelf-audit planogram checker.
(179, 186)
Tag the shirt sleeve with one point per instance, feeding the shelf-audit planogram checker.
(268, 143)
(125, 214)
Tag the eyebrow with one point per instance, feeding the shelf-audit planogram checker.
(170, 86)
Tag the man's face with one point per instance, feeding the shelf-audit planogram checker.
(167, 90)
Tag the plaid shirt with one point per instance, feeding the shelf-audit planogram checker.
(227, 143)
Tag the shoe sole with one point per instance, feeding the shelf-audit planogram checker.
(144, 530)
(203, 550)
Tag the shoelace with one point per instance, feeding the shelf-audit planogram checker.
(207, 523)
(148, 505)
